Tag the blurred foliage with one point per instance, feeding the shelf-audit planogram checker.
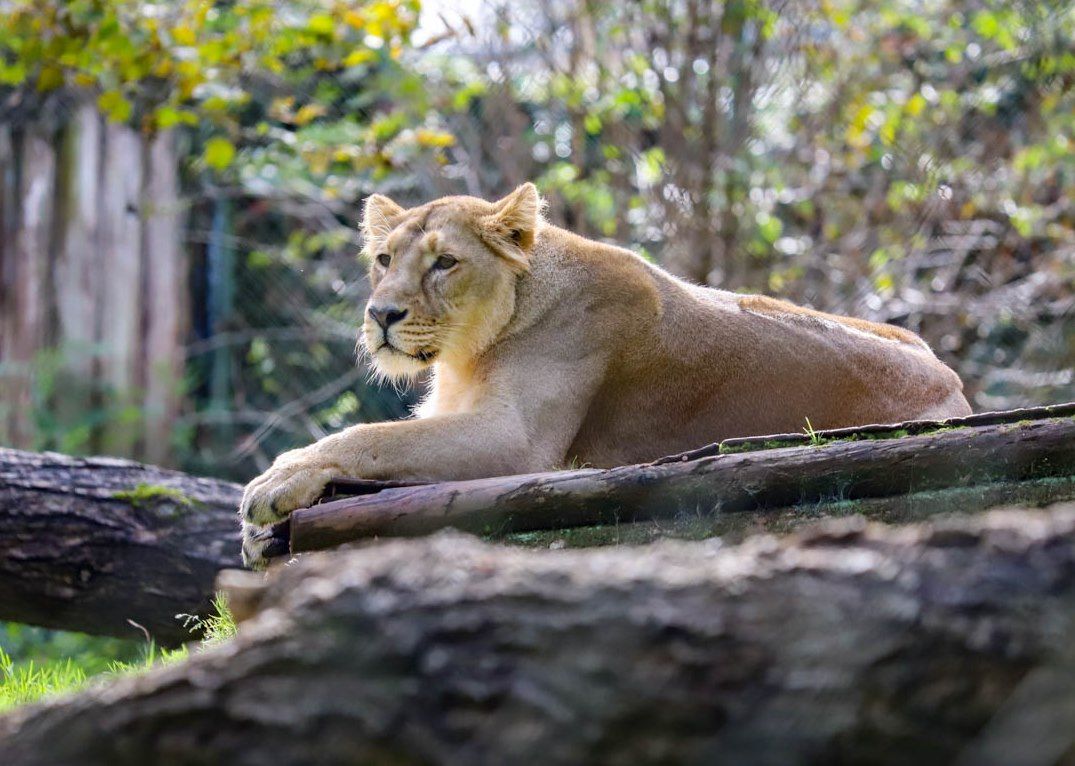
(901, 161)
(200, 61)
(896, 160)
(290, 114)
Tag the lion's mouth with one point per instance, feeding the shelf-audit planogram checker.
(423, 355)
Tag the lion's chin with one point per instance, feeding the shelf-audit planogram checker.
(393, 364)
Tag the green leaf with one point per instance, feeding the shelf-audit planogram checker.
(986, 24)
(769, 227)
(115, 105)
(12, 74)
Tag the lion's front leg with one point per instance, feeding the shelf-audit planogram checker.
(463, 446)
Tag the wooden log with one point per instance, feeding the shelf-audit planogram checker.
(874, 431)
(90, 543)
(850, 644)
(742, 481)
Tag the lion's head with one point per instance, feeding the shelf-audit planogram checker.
(443, 276)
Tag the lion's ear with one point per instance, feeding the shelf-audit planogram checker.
(511, 228)
(378, 216)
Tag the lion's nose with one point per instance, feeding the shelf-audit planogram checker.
(386, 316)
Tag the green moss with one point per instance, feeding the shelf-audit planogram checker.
(146, 495)
(732, 449)
(685, 527)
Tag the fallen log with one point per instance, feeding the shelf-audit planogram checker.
(875, 431)
(854, 643)
(91, 544)
(850, 465)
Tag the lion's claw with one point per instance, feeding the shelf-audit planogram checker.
(255, 541)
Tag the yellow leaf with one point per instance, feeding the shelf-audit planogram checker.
(321, 24)
(308, 113)
(219, 152)
(916, 104)
(433, 138)
(359, 56)
(184, 35)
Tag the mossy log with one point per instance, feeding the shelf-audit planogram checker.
(93, 544)
(869, 463)
(850, 644)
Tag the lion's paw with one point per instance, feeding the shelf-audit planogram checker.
(287, 485)
(256, 540)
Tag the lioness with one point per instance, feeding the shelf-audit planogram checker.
(547, 347)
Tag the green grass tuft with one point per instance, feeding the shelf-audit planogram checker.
(26, 682)
(217, 627)
(22, 684)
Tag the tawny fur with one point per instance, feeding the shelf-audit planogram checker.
(548, 348)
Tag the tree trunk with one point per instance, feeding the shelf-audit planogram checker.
(89, 544)
(705, 484)
(164, 307)
(26, 263)
(121, 257)
(851, 644)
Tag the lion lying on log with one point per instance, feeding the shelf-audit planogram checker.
(549, 348)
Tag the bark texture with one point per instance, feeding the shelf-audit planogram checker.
(702, 484)
(88, 544)
(853, 643)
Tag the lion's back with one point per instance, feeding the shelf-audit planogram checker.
(717, 365)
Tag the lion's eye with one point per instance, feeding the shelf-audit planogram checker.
(384, 259)
(444, 262)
